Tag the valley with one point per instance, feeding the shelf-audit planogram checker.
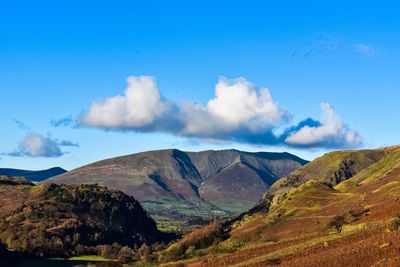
(339, 210)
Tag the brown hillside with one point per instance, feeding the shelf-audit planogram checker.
(319, 222)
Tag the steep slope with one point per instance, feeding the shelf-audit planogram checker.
(36, 176)
(330, 169)
(178, 185)
(64, 220)
(238, 178)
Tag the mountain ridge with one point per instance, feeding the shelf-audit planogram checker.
(33, 175)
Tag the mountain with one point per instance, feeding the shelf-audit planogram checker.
(174, 185)
(341, 209)
(36, 176)
(66, 220)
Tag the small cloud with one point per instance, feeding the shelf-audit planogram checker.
(22, 126)
(330, 44)
(320, 44)
(67, 143)
(65, 122)
(365, 50)
(329, 132)
(36, 145)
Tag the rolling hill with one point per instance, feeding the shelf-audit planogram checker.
(66, 220)
(178, 186)
(341, 209)
(36, 176)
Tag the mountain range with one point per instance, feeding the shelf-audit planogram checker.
(341, 209)
(36, 176)
(177, 186)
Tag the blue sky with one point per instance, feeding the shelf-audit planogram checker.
(58, 57)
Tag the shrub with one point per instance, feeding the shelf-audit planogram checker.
(396, 223)
(337, 223)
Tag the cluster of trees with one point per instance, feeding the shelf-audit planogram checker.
(5, 180)
(61, 220)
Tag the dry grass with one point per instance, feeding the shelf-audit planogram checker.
(298, 231)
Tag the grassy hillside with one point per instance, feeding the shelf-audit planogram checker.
(340, 210)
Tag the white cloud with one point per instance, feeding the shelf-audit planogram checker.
(331, 132)
(139, 107)
(238, 106)
(36, 145)
(239, 111)
(365, 50)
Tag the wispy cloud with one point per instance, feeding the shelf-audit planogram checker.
(67, 143)
(365, 50)
(22, 126)
(239, 111)
(331, 44)
(65, 122)
(320, 44)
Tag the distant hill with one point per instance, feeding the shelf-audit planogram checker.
(178, 186)
(342, 209)
(36, 176)
(66, 220)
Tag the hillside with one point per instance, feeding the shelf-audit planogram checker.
(179, 186)
(36, 176)
(340, 210)
(66, 220)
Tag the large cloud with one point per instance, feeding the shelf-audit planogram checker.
(139, 108)
(239, 111)
(238, 107)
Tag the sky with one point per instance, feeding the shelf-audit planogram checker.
(82, 81)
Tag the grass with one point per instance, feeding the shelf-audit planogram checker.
(385, 166)
(88, 258)
(388, 186)
(347, 230)
(61, 262)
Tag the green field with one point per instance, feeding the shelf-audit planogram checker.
(60, 262)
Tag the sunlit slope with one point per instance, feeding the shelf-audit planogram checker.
(340, 210)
